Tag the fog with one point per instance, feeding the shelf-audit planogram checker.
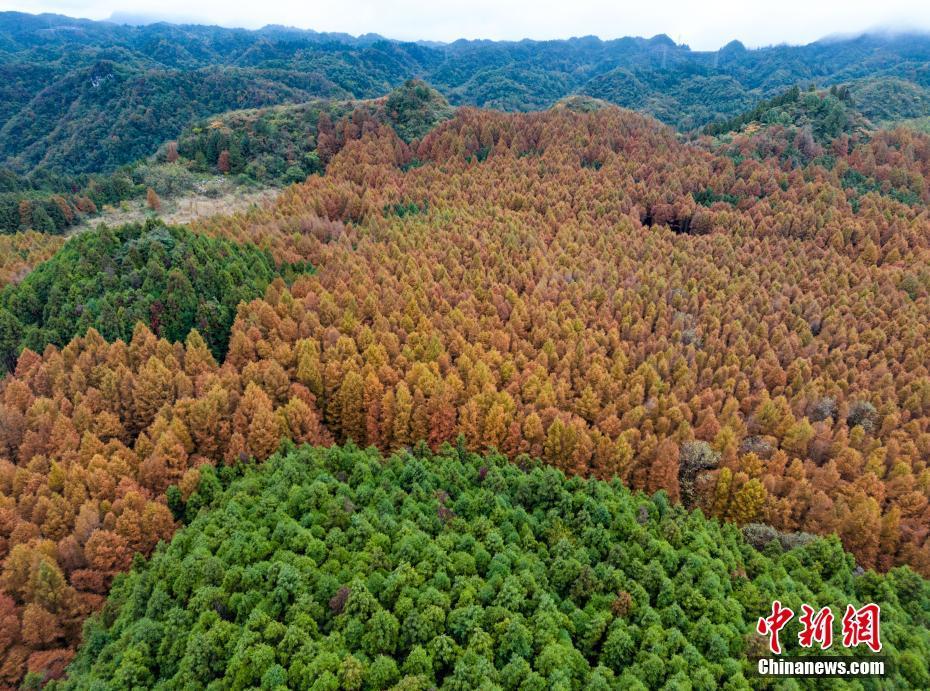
(702, 25)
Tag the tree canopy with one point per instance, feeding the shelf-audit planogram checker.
(736, 321)
(109, 279)
(339, 569)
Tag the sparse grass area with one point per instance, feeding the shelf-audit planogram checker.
(182, 209)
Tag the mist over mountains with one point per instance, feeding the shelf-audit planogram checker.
(125, 89)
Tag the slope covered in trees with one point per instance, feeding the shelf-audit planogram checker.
(82, 96)
(19, 252)
(826, 132)
(744, 332)
(268, 146)
(825, 115)
(795, 128)
(56, 204)
(287, 143)
(141, 108)
(165, 277)
(890, 99)
(43, 205)
(339, 569)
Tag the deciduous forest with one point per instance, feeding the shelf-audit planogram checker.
(551, 399)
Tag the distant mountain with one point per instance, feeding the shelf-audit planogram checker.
(144, 19)
(58, 115)
(100, 116)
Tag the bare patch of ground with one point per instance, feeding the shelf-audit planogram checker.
(183, 209)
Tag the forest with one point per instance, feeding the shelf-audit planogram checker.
(337, 569)
(285, 144)
(164, 277)
(252, 148)
(61, 74)
(738, 330)
(507, 386)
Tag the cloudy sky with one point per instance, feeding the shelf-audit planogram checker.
(705, 25)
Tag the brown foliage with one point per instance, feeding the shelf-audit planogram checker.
(19, 252)
(593, 315)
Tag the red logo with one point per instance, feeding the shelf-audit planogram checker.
(774, 623)
(861, 626)
(816, 627)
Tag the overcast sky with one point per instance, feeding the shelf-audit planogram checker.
(702, 24)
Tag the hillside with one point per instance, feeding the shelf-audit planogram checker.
(796, 128)
(825, 115)
(580, 287)
(164, 277)
(339, 569)
(61, 75)
(142, 107)
(229, 155)
(891, 100)
(825, 129)
(283, 144)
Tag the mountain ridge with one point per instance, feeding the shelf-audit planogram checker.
(41, 56)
